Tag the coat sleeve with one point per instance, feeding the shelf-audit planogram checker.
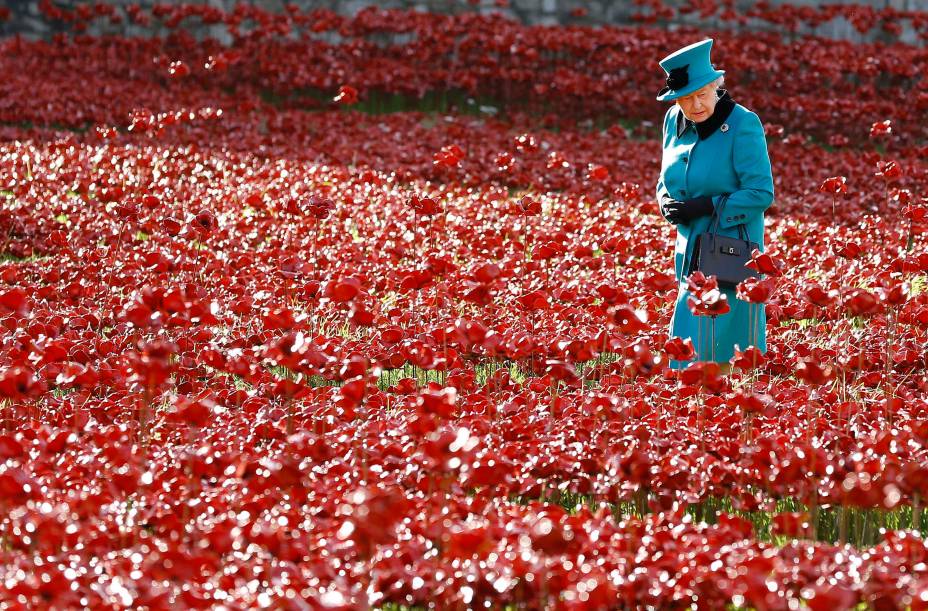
(752, 168)
(662, 192)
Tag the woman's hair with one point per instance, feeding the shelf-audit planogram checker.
(716, 84)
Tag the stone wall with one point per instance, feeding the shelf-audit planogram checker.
(27, 20)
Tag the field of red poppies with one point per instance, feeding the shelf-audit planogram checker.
(371, 312)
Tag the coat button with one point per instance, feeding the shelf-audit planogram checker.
(685, 159)
(682, 191)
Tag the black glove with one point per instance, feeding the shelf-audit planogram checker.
(676, 211)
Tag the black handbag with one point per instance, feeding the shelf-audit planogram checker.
(722, 256)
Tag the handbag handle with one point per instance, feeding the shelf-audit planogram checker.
(717, 217)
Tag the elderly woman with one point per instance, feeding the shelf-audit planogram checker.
(712, 146)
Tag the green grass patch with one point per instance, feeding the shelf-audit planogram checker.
(379, 102)
(918, 285)
(858, 527)
(7, 257)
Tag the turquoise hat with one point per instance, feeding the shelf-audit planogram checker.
(688, 70)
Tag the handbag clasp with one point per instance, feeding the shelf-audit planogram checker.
(730, 250)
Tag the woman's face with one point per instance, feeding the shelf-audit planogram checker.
(698, 106)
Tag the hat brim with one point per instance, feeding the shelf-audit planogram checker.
(693, 85)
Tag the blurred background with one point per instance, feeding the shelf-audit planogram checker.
(853, 23)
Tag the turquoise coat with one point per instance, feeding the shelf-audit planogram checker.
(731, 159)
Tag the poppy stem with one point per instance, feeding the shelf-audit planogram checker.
(755, 321)
(143, 416)
(444, 335)
(813, 514)
(888, 392)
(288, 408)
(603, 353)
(886, 193)
(196, 261)
(858, 526)
(865, 530)
(842, 524)
(641, 501)
(847, 347)
(109, 280)
(916, 512)
(531, 354)
(699, 426)
(699, 346)
(6, 242)
(551, 414)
